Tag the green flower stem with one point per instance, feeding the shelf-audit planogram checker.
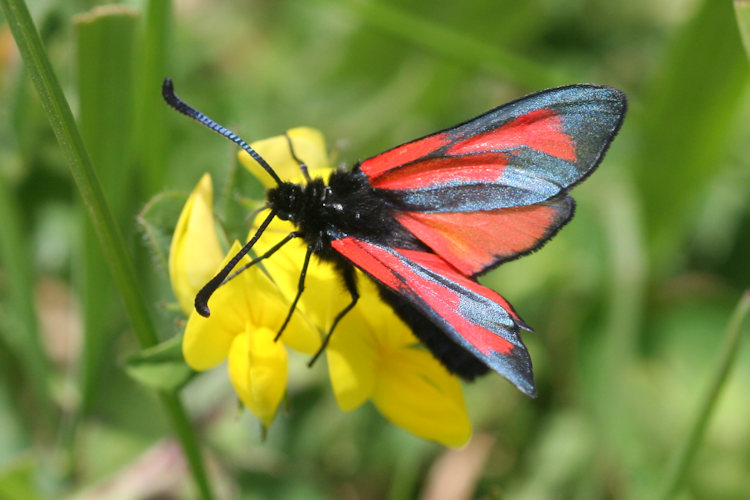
(113, 247)
(681, 462)
(742, 11)
(184, 431)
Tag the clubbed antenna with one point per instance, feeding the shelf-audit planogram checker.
(167, 91)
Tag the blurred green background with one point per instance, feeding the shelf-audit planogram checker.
(630, 302)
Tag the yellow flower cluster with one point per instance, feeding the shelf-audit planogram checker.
(372, 354)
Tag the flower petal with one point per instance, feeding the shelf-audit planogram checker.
(416, 392)
(309, 146)
(251, 298)
(352, 361)
(411, 388)
(194, 253)
(390, 331)
(258, 368)
(207, 340)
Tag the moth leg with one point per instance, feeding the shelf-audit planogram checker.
(302, 165)
(300, 289)
(271, 251)
(350, 282)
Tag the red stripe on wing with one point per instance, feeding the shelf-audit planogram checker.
(400, 271)
(468, 169)
(475, 241)
(403, 154)
(439, 265)
(541, 129)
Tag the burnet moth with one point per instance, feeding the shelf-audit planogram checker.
(425, 219)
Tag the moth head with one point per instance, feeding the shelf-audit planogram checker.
(285, 200)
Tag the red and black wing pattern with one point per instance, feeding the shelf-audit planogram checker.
(521, 153)
(495, 187)
(473, 242)
(475, 317)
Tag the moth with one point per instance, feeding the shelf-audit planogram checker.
(425, 219)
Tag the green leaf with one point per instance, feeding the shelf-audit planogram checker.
(157, 221)
(160, 367)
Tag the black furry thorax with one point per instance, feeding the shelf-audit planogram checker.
(345, 206)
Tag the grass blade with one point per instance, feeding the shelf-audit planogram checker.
(105, 44)
(742, 11)
(61, 119)
(151, 120)
(681, 462)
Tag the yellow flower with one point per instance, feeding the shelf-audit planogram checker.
(309, 146)
(249, 312)
(372, 354)
(194, 252)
